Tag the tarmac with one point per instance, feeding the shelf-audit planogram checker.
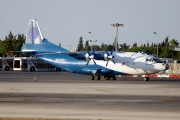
(63, 95)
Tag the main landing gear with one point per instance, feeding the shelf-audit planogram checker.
(106, 77)
(94, 77)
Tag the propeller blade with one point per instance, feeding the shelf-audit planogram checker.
(147, 52)
(90, 56)
(107, 53)
(140, 51)
(93, 51)
(112, 51)
(110, 57)
(89, 53)
(94, 62)
(87, 62)
(107, 63)
(113, 61)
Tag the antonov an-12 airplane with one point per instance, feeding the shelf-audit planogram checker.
(94, 63)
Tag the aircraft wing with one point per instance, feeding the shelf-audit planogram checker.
(76, 55)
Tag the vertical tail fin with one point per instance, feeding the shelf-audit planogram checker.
(34, 34)
(36, 42)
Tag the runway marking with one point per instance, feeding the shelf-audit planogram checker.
(106, 91)
(15, 89)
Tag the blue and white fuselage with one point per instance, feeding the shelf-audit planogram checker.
(125, 63)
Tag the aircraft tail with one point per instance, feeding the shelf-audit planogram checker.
(35, 40)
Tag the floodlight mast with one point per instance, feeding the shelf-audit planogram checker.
(157, 42)
(116, 40)
(92, 41)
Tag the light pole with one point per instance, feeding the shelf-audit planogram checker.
(157, 42)
(116, 40)
(92, 43)
(91, 39)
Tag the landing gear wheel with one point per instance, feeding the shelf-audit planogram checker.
(97, 77)
(91, 77)
(146, 78)
(114, 77)
(106, 77)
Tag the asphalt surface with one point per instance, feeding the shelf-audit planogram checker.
(72, 96)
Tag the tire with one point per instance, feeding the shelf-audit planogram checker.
(146, 79)
(106, 77)
(32, 69)
(97, 77)
(114, 77)
(7, 68)
(91, 77)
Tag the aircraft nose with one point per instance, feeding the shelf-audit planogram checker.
(167, 66)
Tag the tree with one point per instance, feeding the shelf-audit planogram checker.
(164, 53)
(124, 47)
(134, 44)
(11, 43)
(97, 47)
(163, 44)
(8, 43)
(110, 47)
(2, 48)
(147, 44)
(103, 47)
(173, 43)
(87, 47)
(167, 42)
(80, 45)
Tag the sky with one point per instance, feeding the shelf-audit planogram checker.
(65, 21)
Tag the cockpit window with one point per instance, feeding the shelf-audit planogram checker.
(154, 60)
(149, 60)
(157, 60)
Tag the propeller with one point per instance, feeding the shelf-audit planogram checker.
(141, 51)
(149, 53)
(89, 56)
(108, 57)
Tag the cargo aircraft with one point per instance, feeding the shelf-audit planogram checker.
(93, 63)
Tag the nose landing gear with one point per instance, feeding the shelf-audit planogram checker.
(146, 78)
(109, 77)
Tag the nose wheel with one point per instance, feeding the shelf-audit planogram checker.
(109, 77)
(146, 78)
